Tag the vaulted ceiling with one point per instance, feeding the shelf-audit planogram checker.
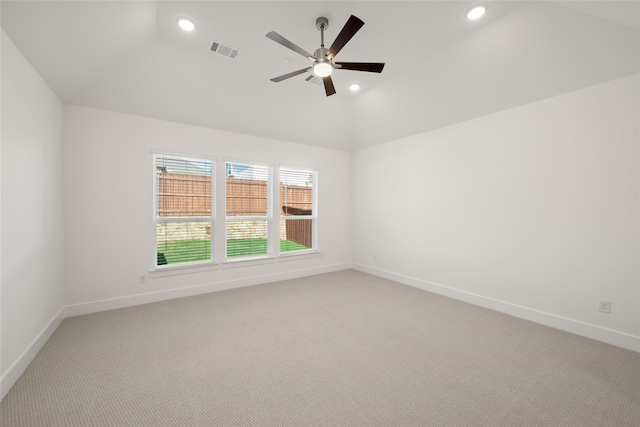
(441, 68)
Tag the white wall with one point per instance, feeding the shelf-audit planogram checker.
(108, 203)
(31, 218)
(532, 211)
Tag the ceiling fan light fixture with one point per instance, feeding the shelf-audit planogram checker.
(476, 11)
(322, 69)
(322, 58)
(186, 24)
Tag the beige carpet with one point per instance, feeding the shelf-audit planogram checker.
(339, 349)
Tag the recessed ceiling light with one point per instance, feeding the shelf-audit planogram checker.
(186, 24)
(476, 11)
(354, 87)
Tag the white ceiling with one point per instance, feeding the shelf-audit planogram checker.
(130, 57)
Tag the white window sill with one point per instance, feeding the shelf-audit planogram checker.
(283, 257)
(233, 263)
(248, 261)
(182, 269)
(298, 255)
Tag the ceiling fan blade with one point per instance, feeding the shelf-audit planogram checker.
(372, 67)
(328, 86)
(286, 43)
(349, 30)
(292, 74)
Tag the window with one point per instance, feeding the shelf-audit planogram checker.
(184, 221)
(298, 212)
(248, 210)
(262, 219)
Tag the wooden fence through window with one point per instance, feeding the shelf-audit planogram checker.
(181, 195)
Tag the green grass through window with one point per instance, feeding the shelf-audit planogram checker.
(181, 251)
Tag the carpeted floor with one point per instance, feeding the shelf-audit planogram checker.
(339, 349)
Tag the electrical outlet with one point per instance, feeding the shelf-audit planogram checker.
(604, 306)
(143, 278)
(375, 258)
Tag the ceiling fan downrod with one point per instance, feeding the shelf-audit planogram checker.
(322, 24)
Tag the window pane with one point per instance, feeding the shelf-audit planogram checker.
(247, 188)
(180, 242)
(247, 238)
(296, 235)
(183, 187)
(296, 198)
(296, 192)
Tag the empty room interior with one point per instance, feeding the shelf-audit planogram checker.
(320, 213)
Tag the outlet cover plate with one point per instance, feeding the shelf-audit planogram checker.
(604, 306)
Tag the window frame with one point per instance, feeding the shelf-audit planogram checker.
(270, 254)
(313, 216)
(157, 219)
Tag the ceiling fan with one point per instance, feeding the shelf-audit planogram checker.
(323, 64)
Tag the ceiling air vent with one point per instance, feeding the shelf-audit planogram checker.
(225, 50)
(314, 79)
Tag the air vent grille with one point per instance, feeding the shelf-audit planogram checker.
(314, 79)
(229, 51)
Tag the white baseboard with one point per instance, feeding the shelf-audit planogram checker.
(619, 339)
(20, 365)
(146, 298)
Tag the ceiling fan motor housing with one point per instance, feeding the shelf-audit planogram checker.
(321, 54)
